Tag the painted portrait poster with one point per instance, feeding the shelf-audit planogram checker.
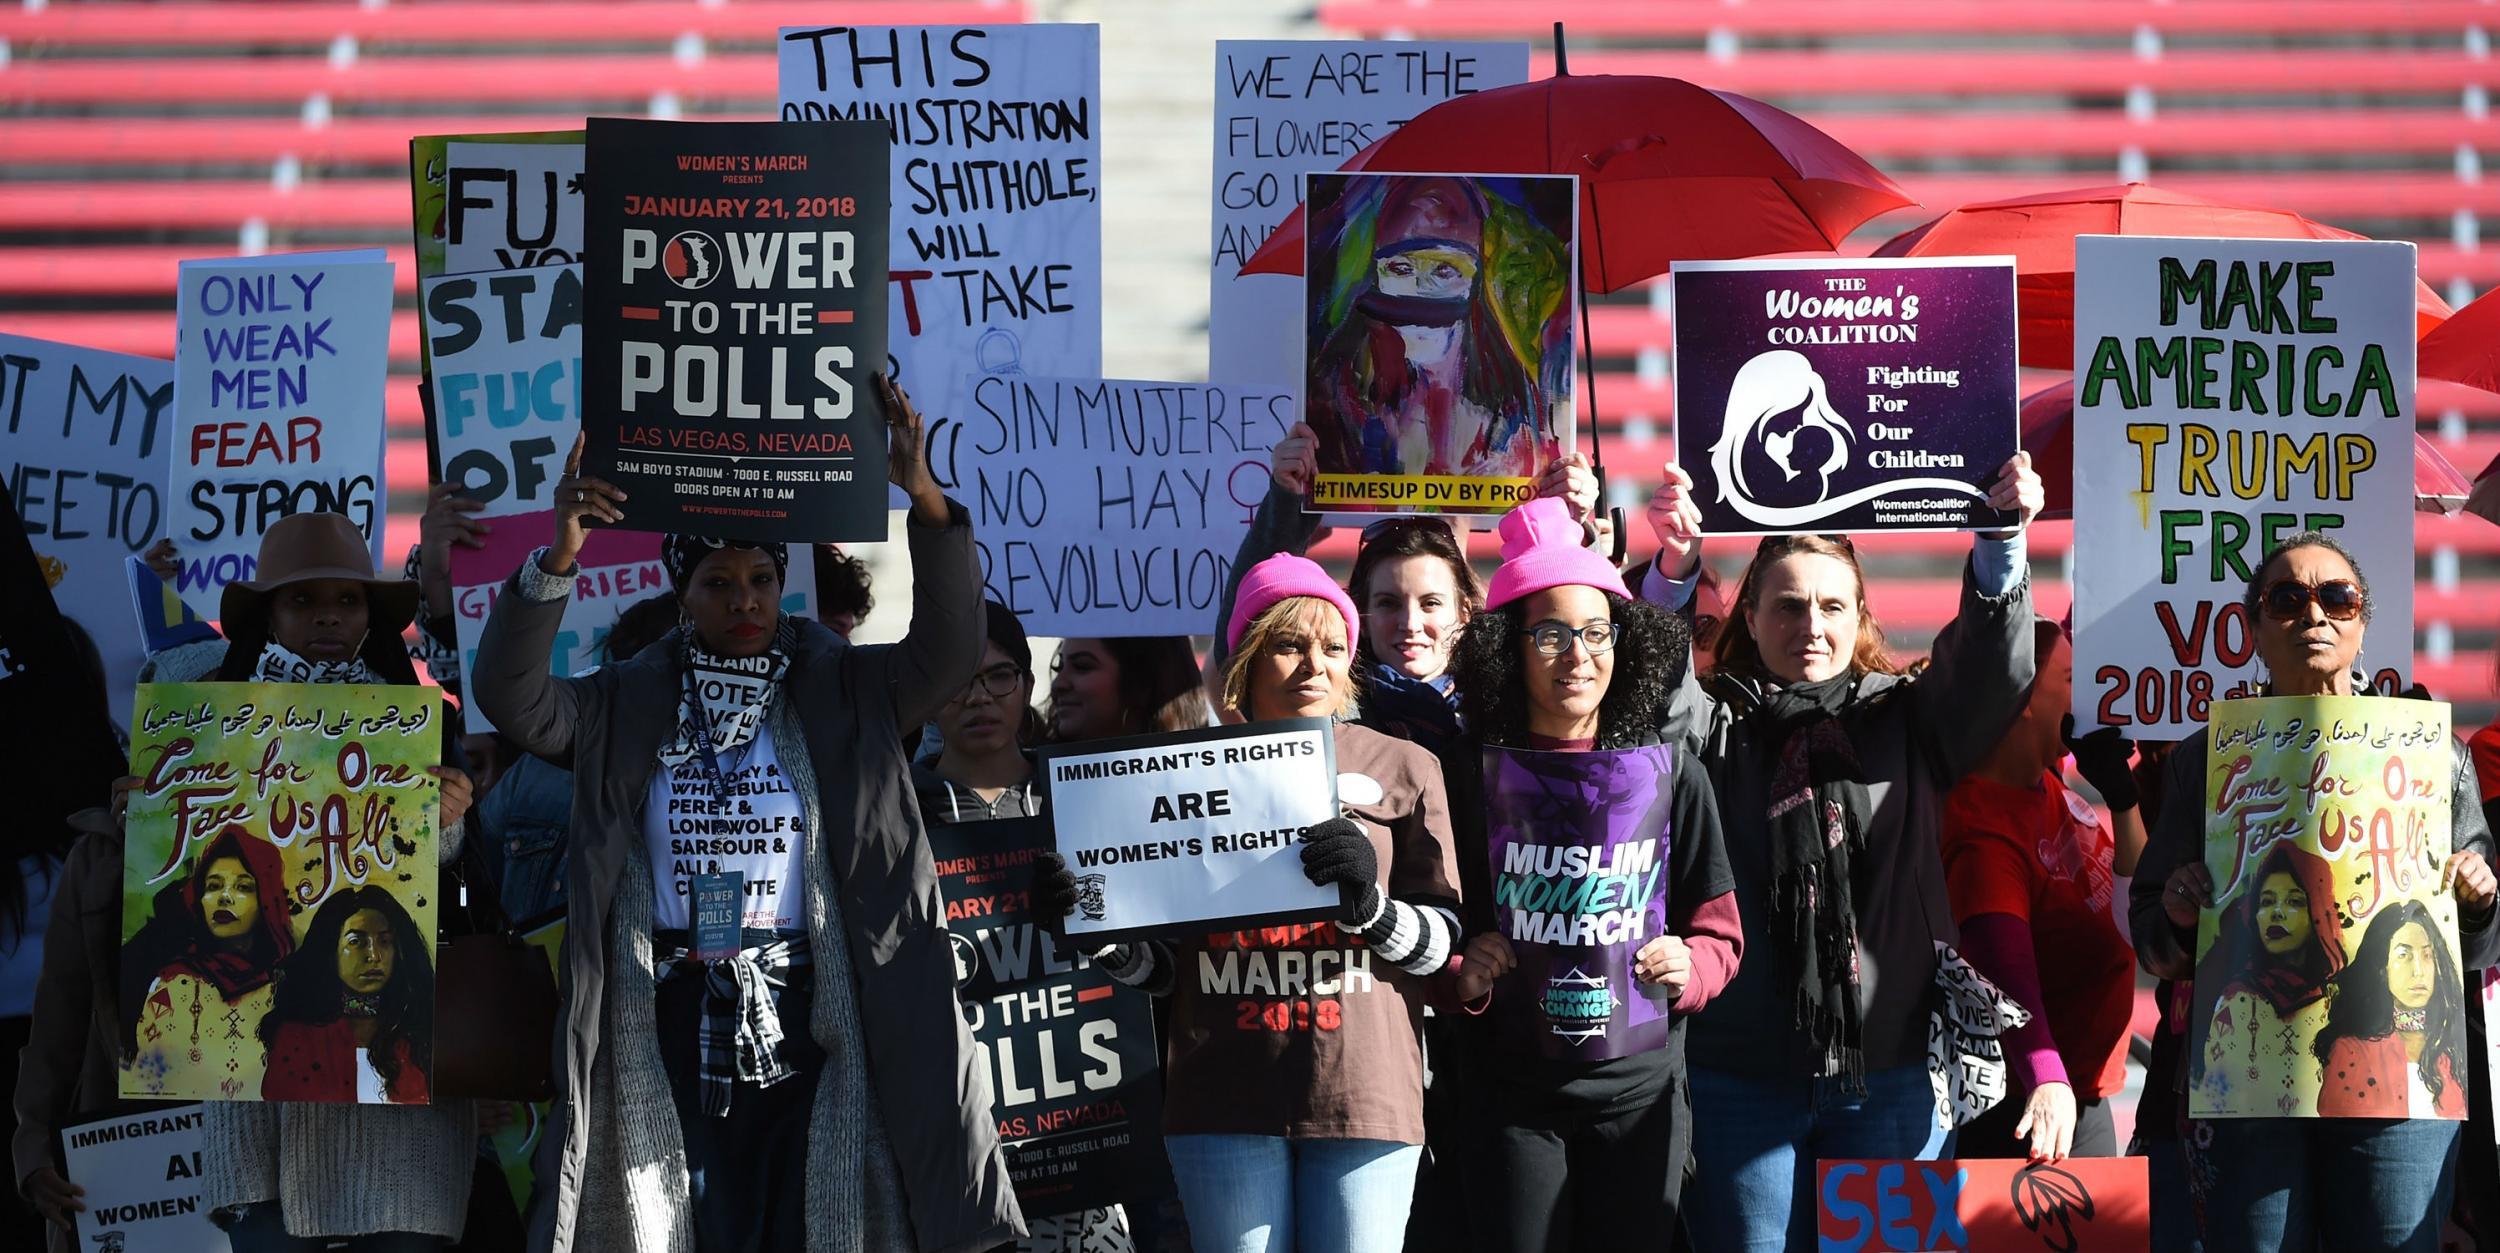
(1437, 338)
(2327, 975)
(1579, 858)
(1821, 396)
(278, 893)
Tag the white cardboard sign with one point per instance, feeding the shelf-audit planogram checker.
(996, 261)
(1194, 832)
(2228, 395)
(1109, 507)
(85, 450)
(1286, 107)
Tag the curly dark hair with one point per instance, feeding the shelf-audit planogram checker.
(1652, 647)
(308, 991)
(2361, 1006)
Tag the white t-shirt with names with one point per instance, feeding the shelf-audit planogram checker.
(753, 826)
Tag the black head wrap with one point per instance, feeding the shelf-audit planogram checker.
(682, 553)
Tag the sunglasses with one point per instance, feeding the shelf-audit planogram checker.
(1376, 531)
(2288, 599)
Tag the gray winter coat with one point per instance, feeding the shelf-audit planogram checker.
(929, 1084)
(1915, 737)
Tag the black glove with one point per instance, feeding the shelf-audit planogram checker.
(2102, 758)
(1054, 893)
(1337, 851)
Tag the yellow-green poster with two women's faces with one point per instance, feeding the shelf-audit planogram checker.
(2328, 981)
(279, 892)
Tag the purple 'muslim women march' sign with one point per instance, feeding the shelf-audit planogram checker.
(1817, 396)
(1579, 859)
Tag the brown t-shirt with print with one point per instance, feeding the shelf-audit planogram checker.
(1301, 1031)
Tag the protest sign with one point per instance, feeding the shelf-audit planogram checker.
(1192, 832)
(744, 408)
(2330, 952)
(164, 621)
(1071, 1054)
(1109, 506)
(86, 465)
(1437, 338)
(2228, 395)
(619, 569)
(506, 374)
(1578, 849)
(1984, 1205)
(279, 364)
(142, 1177)
(1284, 107)
(281, 857)
(496, 202)
(1845, 395)
(996, 242)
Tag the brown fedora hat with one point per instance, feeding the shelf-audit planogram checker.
(303, 547)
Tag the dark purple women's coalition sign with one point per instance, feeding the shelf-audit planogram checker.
(1845, 395)
(1579, 859)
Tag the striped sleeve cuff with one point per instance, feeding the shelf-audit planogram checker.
(1417, 939)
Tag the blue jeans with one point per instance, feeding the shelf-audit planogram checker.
(1266, 1194)
(2330, 1183)
(1756, 1140)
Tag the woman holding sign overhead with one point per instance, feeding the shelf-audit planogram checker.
(2329, 1182)
(1832, 769)
(1293, 1102)
(800, 1076)
(1599, 901)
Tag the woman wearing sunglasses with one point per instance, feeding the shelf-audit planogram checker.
(1412, 588)
(1568, 1153)
(2390, 1180)
(1832, 769)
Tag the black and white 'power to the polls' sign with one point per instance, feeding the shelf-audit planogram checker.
(1192, 832)
(142, 1176)
(733, 320)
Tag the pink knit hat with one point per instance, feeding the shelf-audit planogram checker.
(1541, 549)
(1282, 577)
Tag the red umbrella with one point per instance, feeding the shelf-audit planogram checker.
(2048, 418)
(1668, 171)
(2466, 348)
(2039, 231)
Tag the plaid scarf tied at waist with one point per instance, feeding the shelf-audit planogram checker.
(739, 1036)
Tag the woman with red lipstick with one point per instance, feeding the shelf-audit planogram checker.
(2393, 1044)
(2268, 1180)
(815, 1085)
(2266, 977)
(1833, 771)
(209, 949)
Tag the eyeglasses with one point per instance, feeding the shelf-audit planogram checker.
(1554, 639)
(999, 681)
(2288, 599)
